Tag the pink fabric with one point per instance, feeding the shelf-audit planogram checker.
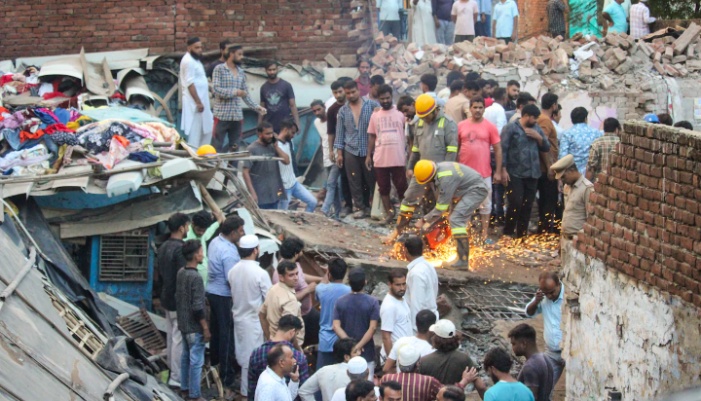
(57, 128)
(390, 142)
(474, 140)
(49, 112)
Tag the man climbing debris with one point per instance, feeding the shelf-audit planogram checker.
(458, 186)
(435, 139)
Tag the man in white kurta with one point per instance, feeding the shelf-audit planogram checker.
(197, 121)
(249, 283)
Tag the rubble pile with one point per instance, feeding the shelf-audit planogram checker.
(589, 59)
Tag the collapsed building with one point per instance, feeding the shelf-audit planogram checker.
(644, 305)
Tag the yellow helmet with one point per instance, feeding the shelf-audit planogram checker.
(424, 171)
(425, 104)
(206, 150)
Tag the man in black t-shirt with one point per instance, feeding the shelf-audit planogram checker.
(278, 98)
(537, 373)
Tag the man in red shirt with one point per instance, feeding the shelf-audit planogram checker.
(363, 79)
(475, 137)
(387, 150)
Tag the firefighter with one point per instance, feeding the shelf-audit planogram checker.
(458, 186)
(435, 138)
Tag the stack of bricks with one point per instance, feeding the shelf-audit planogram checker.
(645, 213)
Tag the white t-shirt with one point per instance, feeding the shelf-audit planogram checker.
(323, 133)
(395, 316)
(389, 9)
(465, 12)
(422, 346)
(287, 172)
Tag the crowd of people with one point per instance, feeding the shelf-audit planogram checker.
(473, 148)
(262, 320)
(452, 21)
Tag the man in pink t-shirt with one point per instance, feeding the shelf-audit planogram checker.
(464, 15)
(387, 149)
(475, 137)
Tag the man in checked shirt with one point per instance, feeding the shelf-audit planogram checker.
(229, 81)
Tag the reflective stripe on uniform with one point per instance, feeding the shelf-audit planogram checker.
(415, 149)
(442, 206)
(444, 173)
(441, 122)
(421, 123)
(405, 208)
(453, 149)
(459, 230)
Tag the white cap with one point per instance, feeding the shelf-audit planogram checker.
(357, 365)
(407, 355)
(443, 328)
(248, 242)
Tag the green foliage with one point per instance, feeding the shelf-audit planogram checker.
(675, 9)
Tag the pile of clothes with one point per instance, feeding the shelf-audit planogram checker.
(38, 140)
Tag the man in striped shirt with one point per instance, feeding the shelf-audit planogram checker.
(351, 146)
(415, 386)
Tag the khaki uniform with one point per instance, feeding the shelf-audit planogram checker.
(437, 142)
(575, 213)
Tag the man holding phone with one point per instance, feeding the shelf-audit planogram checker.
(548, 300)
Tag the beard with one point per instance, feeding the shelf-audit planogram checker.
(530, 125)
(272, 76)
(386, 106)
(238, 62)
(196, 56)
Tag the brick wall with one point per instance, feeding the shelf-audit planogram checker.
(646, 212)
(533, 19)
(301, 29)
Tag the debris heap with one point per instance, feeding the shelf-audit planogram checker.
(675, 53)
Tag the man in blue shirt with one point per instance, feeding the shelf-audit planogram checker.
(615, 16)
(577, 140)
(484, 20)
(327, 294)
(505, 21)
(497, 362)
(223, 255)
(548, 300)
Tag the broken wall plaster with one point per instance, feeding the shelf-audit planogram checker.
(658, 351)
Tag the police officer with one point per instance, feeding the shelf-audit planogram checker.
(458, 185)
(576, 202)
(435, 138)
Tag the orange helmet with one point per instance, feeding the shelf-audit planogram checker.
(425, 104)
(206, 150)
(424, 171)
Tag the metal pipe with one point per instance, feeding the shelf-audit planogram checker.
(18, 279)
(109, 392)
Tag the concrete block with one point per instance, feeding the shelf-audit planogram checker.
(332, 61)
(690, 35)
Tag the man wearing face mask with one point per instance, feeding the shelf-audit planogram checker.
(230, 88)
(263, 178)
(521, 143)
(197, 119)
(278, 98)
(386, 150)
(249, 283)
